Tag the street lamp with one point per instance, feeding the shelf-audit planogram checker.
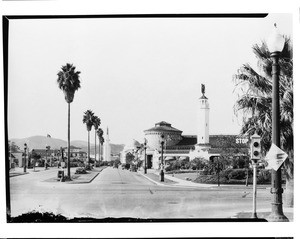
(58, 161)
(145, 166)
(275, 46)
(47, 148)
(162, 155)
(25, 148)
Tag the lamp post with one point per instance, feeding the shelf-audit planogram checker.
(162, 161)
(275, 45)
(47, 148)
(137, 156)
(145, 166)
(34, 159)
(25, 148)
(58, 161)
(218, 170)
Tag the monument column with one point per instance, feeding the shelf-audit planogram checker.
(203, 119)
(107, 149)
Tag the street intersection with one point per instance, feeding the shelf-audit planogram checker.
(117, 193)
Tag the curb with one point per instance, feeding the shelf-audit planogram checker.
(87, 181)
(264, 211)
(157, 183)
(19, 174)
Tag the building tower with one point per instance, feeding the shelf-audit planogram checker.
(203, 119)
(107, 148)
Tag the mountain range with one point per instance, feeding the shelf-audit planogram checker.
(40, 142)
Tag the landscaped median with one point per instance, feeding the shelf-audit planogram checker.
(87, 177)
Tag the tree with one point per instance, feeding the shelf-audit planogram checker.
(198, 163)
(35, 157)
(96, 124)
(88, 118)
(101, 141)
(68, 81)
(255, 100)
(13, 148)
(129, 157)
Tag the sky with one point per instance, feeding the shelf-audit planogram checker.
(134, 72)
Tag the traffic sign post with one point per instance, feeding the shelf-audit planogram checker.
(275, 158)
(255, 148)
(254, 214)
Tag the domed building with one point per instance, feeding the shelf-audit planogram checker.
(153, 135)
(177, 146)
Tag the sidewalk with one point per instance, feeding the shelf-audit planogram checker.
(265, 212)
(76, 178)
(153, 176)
(185, 183)
(20, 171)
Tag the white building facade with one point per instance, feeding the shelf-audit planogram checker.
(177, 146)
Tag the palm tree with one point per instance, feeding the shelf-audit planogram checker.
(101, 141)
(255, 100)
(68, 81)
(96, 123)
(88, 120)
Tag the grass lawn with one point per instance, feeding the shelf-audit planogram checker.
(183, 176)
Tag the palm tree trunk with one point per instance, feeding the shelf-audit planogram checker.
(289, 192)
(101, 150)
(99, 153)
(289, 184)
(95, 146)
(88, 148)
(69, 171)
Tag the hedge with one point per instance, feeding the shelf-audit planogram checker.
(235, 176)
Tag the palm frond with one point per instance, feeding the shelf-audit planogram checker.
(68, 80)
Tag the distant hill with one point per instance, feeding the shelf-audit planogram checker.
(40, 142)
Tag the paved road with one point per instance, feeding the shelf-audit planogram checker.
(121, 193)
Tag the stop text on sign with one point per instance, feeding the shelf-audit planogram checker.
(241, 140)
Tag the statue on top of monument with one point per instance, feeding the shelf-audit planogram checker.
(203, 89)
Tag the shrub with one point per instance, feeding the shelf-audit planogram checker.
(263, 176)
(88, 167)
(80, 171)
(237, 174)
(211, 179)
(181, 171)
(74, 164)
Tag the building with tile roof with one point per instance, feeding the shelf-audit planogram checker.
(179, 146)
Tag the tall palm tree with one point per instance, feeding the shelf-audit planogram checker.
(255, 100)
(101, 141)
(68, 81)
(96, 124)
(88, 120)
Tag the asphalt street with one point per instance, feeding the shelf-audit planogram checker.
(120, 193)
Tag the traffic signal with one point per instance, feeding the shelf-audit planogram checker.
(255, 147)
